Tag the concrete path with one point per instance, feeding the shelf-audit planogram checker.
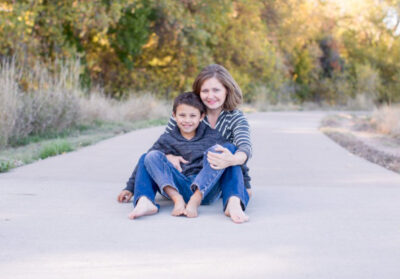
(317, 212)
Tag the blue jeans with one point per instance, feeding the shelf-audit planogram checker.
(155, 170)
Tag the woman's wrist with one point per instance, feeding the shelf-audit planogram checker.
(239, 158)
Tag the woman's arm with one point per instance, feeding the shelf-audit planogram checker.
(225, 158)
(171, 125)
(241, 139)
(241, 134)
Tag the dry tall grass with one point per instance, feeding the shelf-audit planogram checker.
(36, 100)
(10, 100)
(99, 107)
(387, 120)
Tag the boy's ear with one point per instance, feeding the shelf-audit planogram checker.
(202, 116)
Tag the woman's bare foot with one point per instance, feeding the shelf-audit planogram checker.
(143, 207)
(235, 211)
(193, 204)
(179, 206)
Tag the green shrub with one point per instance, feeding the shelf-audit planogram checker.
(54, 148)
(5, 165)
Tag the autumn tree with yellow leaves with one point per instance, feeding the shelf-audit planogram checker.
(307, 50)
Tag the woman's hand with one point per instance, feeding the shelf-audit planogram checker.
(125, 196)
(176, 161)
(221, 160)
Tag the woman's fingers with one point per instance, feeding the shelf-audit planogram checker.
(214, 161)
(221, 149)
(182, 160)
(220, 160)
(178, 167)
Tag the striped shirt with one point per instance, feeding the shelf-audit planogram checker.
(234, 127)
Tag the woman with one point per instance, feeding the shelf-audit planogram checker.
(221, 96)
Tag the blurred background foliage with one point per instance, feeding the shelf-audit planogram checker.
(321, 51)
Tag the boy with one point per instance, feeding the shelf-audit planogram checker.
(198, 182)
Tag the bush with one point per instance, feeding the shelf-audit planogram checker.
(386, 119)
(37, 101)
(55, 148)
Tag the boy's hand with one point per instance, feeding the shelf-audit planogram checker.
(221, 160)
(125, 196)
(176, 161)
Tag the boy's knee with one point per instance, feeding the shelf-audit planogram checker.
(212, 149)
(141, 159)
(152, 156)
(232, 148)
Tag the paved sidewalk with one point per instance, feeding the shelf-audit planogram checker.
(317, 212)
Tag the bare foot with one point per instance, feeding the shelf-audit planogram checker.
(193, 204)
(179, 206)
(235, 211)
(143, 207)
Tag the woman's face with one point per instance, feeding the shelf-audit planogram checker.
(213, 93)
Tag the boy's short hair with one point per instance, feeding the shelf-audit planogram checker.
(190, 99)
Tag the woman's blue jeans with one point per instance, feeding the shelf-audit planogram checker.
(155, 172)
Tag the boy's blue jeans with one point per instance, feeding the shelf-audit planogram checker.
(155, 172)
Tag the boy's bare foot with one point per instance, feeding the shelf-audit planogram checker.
(143, 207)
(193, 204)
(179, 202)
(179, 206)
(235, 211)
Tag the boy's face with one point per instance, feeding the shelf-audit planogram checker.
(188, 119)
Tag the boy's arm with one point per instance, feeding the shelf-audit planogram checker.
(130, 184)
(163, 145)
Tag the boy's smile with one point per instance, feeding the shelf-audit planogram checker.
(188, 119)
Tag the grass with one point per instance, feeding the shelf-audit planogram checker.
(37, 147)
(4, 165)
(55, 148)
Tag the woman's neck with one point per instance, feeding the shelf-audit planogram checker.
(212, 116)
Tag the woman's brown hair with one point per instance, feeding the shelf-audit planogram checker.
(233, 92)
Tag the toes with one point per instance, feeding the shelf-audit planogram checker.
(238, 219)
(131, 216)
(190, 214)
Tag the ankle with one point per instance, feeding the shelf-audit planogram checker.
(176, 198)
(197, 196)
(234, 201)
